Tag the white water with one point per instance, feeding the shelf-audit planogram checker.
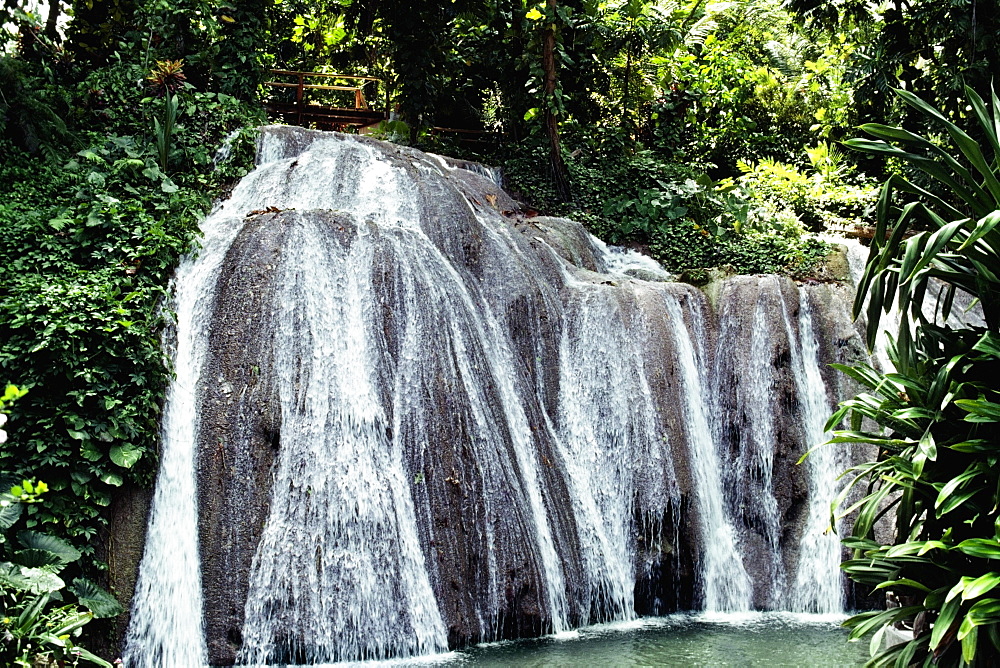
(757, 391)
(363, 594)
(166, 624)
(624, 262)
(345, 510)
(818, 584)
(472, 324)
(492, 174)
(607, 423)
(340, 518)
(724, 578)
(167, 605)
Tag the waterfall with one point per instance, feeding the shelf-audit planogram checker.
(818, 583)
(404, 420)
(627, 263)
(167, 603)
(725, 581)
(608, 430)
(340, 517)
(753, 381)
(756, 390)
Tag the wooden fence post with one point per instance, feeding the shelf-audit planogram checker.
(298, 97)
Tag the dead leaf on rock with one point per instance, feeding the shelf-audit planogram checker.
(270, 209)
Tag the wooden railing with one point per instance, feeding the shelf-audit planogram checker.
(337, 117)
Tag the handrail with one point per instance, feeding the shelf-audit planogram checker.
(313, 86)
(324, 74)
(300, 86)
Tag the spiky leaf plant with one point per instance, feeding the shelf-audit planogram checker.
(935, 418)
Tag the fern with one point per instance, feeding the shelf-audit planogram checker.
(33, 118)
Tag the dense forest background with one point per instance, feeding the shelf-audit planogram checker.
(706, 134)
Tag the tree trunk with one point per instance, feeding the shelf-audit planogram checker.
(628, 75)
(55, 9)
(559, 175)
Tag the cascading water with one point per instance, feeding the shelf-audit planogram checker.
(608, 429)
(749, 384)
(416, 423)
(725, 581)
(818, 583)
(340, 518)
(773, 405)
(168, 599)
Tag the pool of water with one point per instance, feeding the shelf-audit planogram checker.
(758, 639)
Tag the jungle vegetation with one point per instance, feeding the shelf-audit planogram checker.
(707, 134)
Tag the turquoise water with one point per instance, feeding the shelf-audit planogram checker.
(756, 639)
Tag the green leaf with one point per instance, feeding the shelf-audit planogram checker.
(31, 615)
(35, 558)
(866, 622)
(945, 621)
(979, 410)
(986, 611)
(979, 108)
(974, 446)
(34, 540)
(90, 451)
(112, 479)
(980, 586)
(92, 658)
(969, 641)
(989, 344)
(95, 599)
(34, 580)
(914, 547)
(983, 548)
(932, 545)
(10, 512)
(982, 228)
(955, 501)
(125, 455)
(905, 582)
(953, 484)
(67, 626)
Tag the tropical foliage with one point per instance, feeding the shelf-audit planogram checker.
(935, 417)
(34, 629)
(38, 625)
(90, 239)
(703, 133)
(930, 48)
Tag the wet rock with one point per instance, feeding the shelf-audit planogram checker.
(506, 431)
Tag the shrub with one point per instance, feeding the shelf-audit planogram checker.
(683, 218)
(35, 630)
(822, 199)
(937, 414)
(88, 248)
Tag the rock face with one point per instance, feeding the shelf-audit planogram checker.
(425, 422)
